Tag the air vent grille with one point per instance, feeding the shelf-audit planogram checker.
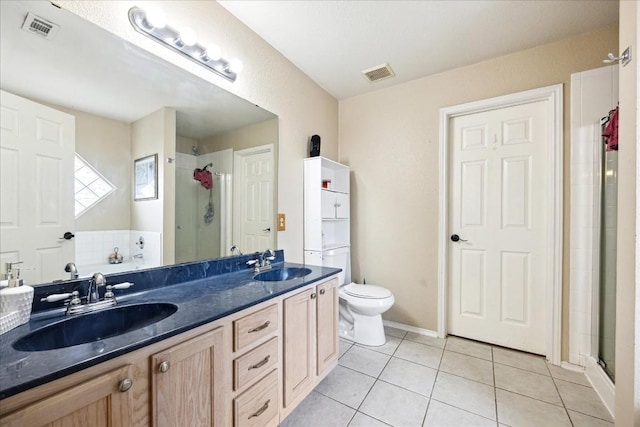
(36, 25)
(378, 73)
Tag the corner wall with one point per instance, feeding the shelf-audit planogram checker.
(390, 140)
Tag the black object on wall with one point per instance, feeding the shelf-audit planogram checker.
(314, 146)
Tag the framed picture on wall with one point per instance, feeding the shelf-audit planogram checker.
(145, 178)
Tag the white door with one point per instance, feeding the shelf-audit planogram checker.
(498, 187)
(37, 146)
(253, 199)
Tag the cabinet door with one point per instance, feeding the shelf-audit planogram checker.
(186, 385)
(328, 204)
(102, 401)
(342, 205)
(327, 325)
(299, 344)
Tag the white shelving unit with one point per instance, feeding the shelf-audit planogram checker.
(327, 231)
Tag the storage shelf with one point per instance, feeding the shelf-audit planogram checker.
(331, 190)
(335, 219)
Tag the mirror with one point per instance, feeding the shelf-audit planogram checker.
(127, 105)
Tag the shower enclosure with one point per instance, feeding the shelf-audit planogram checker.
(203, 216)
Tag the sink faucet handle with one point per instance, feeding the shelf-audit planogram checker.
(252, 262)
(57, 297)
(123, 285)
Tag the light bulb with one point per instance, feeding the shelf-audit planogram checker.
(155, 17)
(213, 52)
(188, 36)
(235, 65)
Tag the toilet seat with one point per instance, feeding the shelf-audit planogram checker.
(366, 291)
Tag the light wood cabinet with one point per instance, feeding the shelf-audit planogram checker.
(102, 401)
(186, 390)
(310, 340)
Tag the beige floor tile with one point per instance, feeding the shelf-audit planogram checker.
(582, 420)
(522, 411)
(388, 348)
(317, 410)
(467, 366)
(465, 394)
(419, 353)
(582, 399)
(568, 375)
(527, 383)
(443, 415)
(394, 405)
(521, 360)
(471, 348)
(424, 339)
(363, 360)
(346, 386)
(362, 420)
(409, 375)
(394, 332)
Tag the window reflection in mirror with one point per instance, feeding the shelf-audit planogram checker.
(128, 104)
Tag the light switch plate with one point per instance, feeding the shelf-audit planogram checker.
(282, 222)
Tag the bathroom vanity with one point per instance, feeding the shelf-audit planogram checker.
(237, 351)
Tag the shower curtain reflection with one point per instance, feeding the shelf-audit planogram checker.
(203, 223)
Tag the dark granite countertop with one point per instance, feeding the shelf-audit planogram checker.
(200, 300)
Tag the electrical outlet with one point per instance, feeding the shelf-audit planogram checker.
(282, 222)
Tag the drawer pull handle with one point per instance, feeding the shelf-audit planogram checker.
(313, 296)
(260, 364)
(125, 385)
(322, 291)
(261, 327)
(163, 367)
(261, 410)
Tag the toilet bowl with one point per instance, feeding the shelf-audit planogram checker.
(361, 308)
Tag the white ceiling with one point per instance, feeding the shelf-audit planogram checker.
(333, 41)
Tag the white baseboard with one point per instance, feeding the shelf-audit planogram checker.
(409, 328)
(602, 384)
(571, 366)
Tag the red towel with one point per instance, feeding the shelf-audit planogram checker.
(204, 177)
(611, 131)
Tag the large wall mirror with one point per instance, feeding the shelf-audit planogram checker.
(79, 108)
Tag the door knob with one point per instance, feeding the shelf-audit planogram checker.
(67, 236)
(163, 367)
(267, 229)
(456, 238)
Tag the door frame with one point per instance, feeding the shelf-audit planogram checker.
(553, 275)
(238, 184)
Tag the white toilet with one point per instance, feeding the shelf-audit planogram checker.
(361, 308)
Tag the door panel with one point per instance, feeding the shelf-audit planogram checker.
(37, 147)
(498, 184)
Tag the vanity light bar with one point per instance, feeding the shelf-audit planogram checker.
(183, 42)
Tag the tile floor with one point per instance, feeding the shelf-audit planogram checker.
(414, 380)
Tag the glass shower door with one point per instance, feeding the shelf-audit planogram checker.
(608, 251)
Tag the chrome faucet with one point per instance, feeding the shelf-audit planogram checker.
(235, 248)
(138, 256)
(71, 268)
(92, 291)
(266, 257)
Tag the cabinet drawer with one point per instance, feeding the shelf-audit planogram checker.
(254, 327)
(255, 364)
(258, 406)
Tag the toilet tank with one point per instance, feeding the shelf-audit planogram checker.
(337, 258)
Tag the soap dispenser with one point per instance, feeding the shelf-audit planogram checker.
(16, 297)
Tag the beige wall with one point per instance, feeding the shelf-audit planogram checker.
(627, 307)
(268, 80)
(156, 134)
(390, 140)
(245, 137)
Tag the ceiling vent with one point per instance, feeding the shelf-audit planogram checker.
(40, 26)
(378, 73)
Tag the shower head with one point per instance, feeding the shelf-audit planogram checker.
(209, 165)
